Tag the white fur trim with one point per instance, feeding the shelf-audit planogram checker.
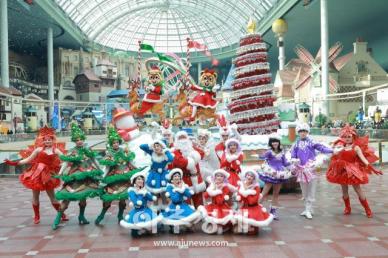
(195, 156)
(142, 173)
(139, 202)
(167, 209)
(160, 170)
(130, 205)
(156, 190)
(153, 182)
(191, 192)
(238, 162)
(191, 165)
(231, 157)
(158, 159)
(172, 172)
(154, 198)
(149, 225)
(197, 187)
(252, 222)
(302, 126)
(220, 221)
(126, 217)
(212, 192)
(238, 198)
(163, 183)
(221, 171)
(185, 198)
(142, 191)
(226, 197)
(180, 189)
(167, 194)
(177, 207)
(246, 192)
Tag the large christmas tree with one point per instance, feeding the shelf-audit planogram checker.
(252, 98)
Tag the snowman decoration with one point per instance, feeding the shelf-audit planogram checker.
(125, 124)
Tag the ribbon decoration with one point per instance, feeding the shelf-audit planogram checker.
(203, 47)
(150, 48)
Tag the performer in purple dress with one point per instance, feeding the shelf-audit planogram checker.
(274, 171)
(306, 162)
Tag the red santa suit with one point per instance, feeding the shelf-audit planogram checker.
(232, 162)
(218, 211)
(251, 213)
(152, 97)
(206, 97)
(190, 167)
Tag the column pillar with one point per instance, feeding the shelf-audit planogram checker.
(282, 53)
(324, 57)
(4, 44)
(364, 103)
(50, 70)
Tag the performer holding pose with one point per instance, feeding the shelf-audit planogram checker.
(232, 160)
(179, 213)
(156, 181)
(79, 173)
(117, 174)
(141, 218)
(44, 159)
(274, 172)
(350, 165)
(218, 212)
(210, 162)
(251, 215)
(303, 154)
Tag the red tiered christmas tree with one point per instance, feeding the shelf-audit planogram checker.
(252, 98)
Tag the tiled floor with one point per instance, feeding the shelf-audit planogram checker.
(329, 234)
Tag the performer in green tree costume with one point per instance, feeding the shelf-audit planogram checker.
(80, 173)
(117, 174)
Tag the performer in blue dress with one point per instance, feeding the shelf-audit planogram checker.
(156, 181)
(141, 218)
(179, 213)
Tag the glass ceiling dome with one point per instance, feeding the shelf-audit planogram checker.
(165, 24)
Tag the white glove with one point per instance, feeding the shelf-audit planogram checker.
(154, 124)
(337, 149)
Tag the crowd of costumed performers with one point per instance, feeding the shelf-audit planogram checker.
(190, 180)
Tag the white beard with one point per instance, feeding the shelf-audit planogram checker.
(185, 147)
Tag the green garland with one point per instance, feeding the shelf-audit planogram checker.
(81, 154)
(78, 176)
(112, 197)
(118, 157)
(81, 195)
(121, 177)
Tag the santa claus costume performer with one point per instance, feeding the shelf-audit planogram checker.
(156, 181)
(187, 158)
(232, 160)
(179, 213)
(154, 90)
(207, 88)
(218, 215)
(350, 165)
(80, 173)
(118, 169)
(251, 215)
(141, 218)
(306, 162)
(125, 124)
(44, 159)
(210, 161)
(274, 172)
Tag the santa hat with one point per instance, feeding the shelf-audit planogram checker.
(233, 141)
(119, 113)
(253, 173)
(142, 173)
(302, 127)
(166, 127)
(223, 125)
(180, 134)
(173, 172)
(221, 171)
(154, 70)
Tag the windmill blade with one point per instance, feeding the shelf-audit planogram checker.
(303, 54)
(333, 86)
(334, 51)
(303, 82)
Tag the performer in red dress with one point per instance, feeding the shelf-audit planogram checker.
(207, 88)
(226, 131)
(232, 159)
(218, 211)
(251, 215)
(154, 90)
(44, 159)
(351, 164)
(187, 158)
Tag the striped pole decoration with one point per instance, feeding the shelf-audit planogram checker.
(139, 63)
(187, 63)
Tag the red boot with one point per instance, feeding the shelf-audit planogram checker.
(36, 213)
(57, 206)
(365, 204)
(347, 209)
